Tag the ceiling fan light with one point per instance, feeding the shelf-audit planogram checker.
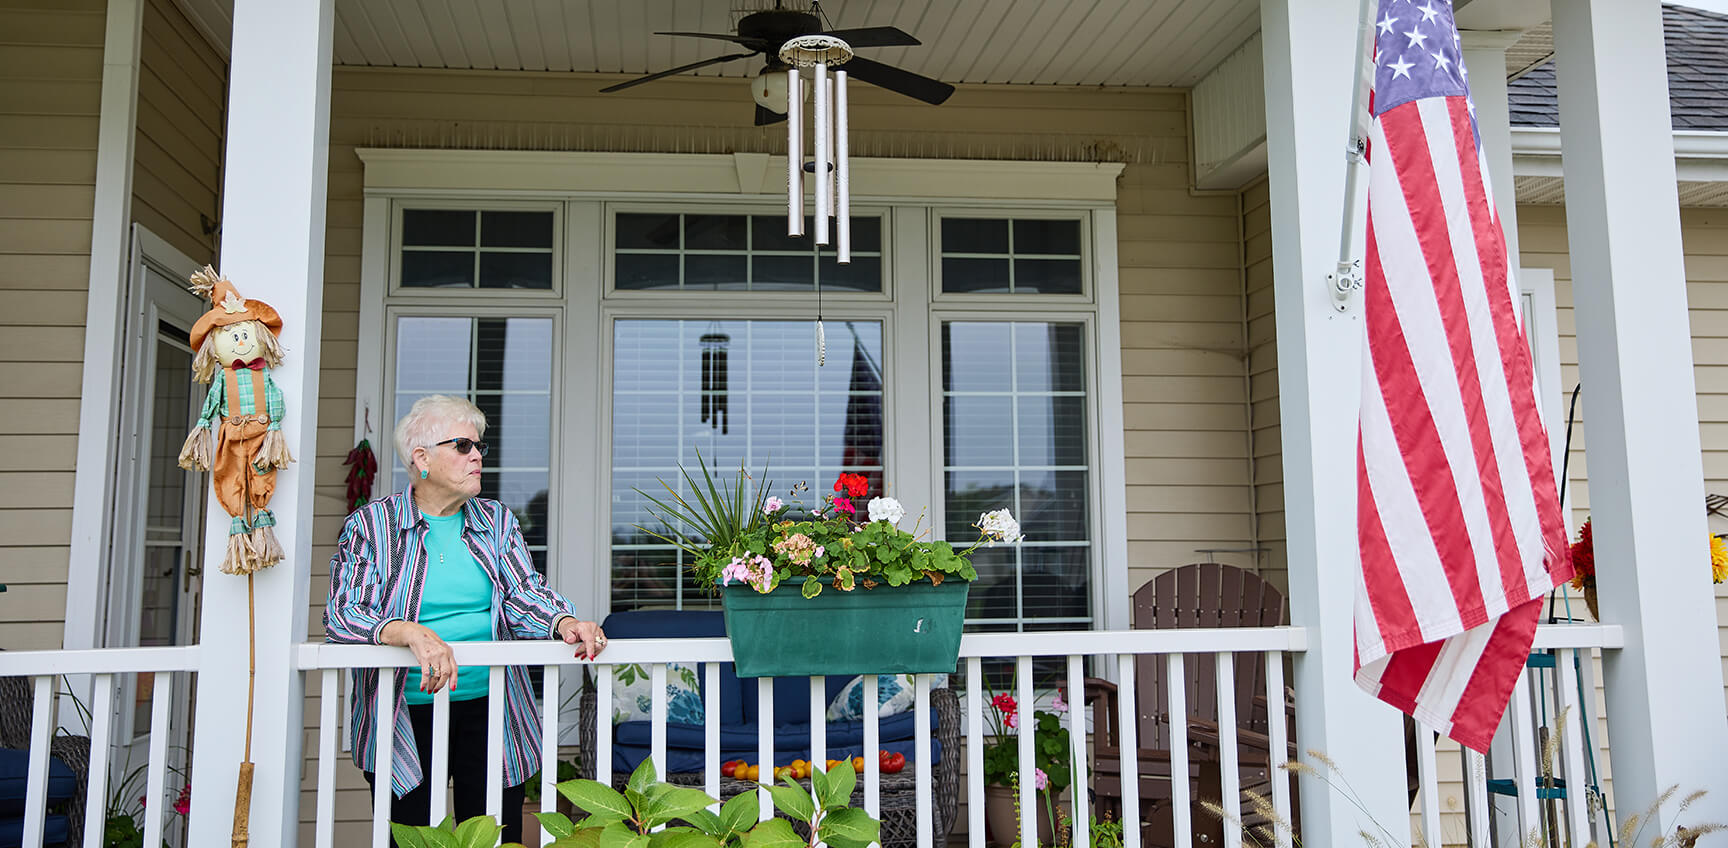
(768, 89)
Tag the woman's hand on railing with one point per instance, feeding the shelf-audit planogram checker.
(437, 661)
(587, 635)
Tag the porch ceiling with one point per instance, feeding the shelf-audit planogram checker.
(1054, 42)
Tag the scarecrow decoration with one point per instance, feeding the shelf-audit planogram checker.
(238, 438)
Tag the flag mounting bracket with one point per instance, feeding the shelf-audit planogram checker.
(1345, 282)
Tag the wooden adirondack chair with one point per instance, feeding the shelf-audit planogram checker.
(1199, 595)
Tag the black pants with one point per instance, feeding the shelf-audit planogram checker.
(467, 768)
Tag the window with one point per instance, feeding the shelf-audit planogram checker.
(505, 366)
(739, 394)
(1014, 424)
(661, 251)
(1011, 256)
(477, 248)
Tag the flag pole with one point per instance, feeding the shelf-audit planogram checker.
(1346, 280)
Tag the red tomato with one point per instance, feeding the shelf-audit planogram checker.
(728, 768)
(895, 763)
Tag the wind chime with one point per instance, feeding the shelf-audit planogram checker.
(829, 169)
(714, 371)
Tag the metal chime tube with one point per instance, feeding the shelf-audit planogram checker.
(794, 155)
(842, 174)
(823, 121)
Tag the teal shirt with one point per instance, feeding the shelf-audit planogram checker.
(456, 603)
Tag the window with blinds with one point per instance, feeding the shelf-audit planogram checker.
(505, 367)
(1014, 425)
(741, 394)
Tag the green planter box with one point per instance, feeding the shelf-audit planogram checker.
(911, 629)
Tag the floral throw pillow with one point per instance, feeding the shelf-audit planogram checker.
(894, 695)
(633, 693)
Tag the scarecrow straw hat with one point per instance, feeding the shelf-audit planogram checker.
(227, 307)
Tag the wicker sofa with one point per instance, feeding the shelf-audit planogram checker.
(739, 728)
(69, 758)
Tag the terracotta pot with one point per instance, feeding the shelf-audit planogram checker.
(1003, 826)
(531, 825)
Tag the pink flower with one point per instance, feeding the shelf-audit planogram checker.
(1059, 705)
(1040, 779)
(819, 550)
(183, 803)
(1012, 720)
(772, 505)
(845, 505)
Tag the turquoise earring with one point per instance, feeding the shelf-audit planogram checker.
(422, 473)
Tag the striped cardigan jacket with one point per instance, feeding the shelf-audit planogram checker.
(377, 576)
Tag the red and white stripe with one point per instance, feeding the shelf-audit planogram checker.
(1458, 516)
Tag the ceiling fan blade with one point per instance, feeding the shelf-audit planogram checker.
(765, 116)
(674, 71)
(756, 44)
(915, 86)
(882, 36)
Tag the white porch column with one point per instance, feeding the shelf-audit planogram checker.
(273, 249)
(1641, 426)
(1485, 60)
(1310, 68)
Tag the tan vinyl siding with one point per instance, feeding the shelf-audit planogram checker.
(1179, 258)
(50, 100)
(182, 89)
(1262, 345)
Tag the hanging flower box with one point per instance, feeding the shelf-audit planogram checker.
(825, 589)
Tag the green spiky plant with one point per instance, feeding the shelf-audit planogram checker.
(717, 516)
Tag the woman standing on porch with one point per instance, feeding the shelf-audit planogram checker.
(431, 565)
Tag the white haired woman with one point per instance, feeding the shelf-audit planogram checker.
(431, 565)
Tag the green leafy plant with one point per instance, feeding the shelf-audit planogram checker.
(653, 814)
(735, 531)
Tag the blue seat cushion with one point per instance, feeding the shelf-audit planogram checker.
(685, 743)
(54, 831)
(14, 774)
(683, 624)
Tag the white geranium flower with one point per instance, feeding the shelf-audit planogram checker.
(886, 509)
(1000, 525)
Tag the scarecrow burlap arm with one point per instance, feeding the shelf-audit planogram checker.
(199, 451)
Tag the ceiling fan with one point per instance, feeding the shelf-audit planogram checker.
(764, 32)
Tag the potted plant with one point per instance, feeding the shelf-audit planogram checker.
(1584, 564)
(883, 598)
(1051, 767)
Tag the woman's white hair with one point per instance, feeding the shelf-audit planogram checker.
(430, 420)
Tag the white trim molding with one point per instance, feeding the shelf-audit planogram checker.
(98, 410)
(1699, 156)
(610, 175)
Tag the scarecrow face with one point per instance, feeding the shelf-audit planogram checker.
(238, 342)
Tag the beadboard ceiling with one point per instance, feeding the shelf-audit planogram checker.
(1059, 42)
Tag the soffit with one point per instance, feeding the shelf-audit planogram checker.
(1042, 42)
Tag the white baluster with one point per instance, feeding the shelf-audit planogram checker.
(161, 699)
(382, 773)
(495, 744)
(1081, 831)
(36, 782)
(974, 752)
(1572, 748)
(1429, 772)
(329, 701)
(101, 737)
(1229, 766)
(711, 732)
(1176, 706)
(1026, 758)
(438, 771)
(1524, 759)
(921, 772)
(872, 739)
(1277, 735)
(548, 745)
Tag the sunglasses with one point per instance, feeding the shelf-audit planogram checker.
(464, 445)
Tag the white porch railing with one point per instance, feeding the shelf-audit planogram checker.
(45, 670)
(1113, 652)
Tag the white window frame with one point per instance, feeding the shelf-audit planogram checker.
(989, 300)
(458, 204)
(610, 270)
(584, 189)
(388, 462)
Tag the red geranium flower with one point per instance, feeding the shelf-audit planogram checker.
(852, 485)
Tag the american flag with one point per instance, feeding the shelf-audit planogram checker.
(1458, 517)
